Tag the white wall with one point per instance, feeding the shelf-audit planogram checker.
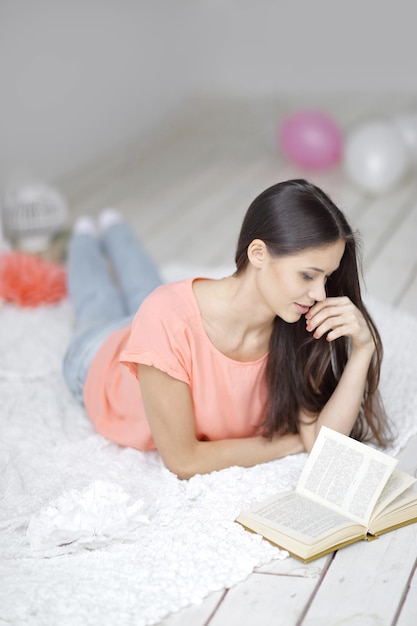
(274, 46)
(78, 78)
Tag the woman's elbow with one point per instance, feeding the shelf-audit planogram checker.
(182, 473)
(182, 468)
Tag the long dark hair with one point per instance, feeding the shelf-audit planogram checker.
(303, 372)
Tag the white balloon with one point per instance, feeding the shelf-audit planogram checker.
(376, 158)
(406, 124)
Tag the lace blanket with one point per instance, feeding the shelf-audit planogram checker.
(92, 533)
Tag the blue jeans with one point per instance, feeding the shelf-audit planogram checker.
(108, 279)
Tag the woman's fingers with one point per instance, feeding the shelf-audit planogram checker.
(338, 317)
(324, 315)
(322, 309)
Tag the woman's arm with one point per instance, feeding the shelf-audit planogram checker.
(339, 317)
(171, 418)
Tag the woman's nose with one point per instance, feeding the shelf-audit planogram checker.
(318, 292)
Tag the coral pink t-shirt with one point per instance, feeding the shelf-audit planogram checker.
(167, 333)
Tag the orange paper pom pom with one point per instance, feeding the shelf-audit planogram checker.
(28, 280)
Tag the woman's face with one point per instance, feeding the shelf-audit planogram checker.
(290, 285)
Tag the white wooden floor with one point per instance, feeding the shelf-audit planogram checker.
(186, 194)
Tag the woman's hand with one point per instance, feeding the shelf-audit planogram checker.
(339, 317)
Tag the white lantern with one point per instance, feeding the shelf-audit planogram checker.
(33, 214)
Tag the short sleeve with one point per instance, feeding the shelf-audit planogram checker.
(160, 336)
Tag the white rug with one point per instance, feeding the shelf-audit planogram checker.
(94, 534)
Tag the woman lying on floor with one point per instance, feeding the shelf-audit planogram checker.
(236, 371)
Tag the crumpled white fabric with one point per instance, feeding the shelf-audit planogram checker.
(160, 544)
(101, 513)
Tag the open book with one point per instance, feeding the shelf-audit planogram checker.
(347, 491)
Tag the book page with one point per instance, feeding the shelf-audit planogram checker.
(345, 474)
(297, 516)
(401, 511)
(397, 483)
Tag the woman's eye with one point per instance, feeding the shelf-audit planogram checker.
(307, 276)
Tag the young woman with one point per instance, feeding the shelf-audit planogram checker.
(237, 371)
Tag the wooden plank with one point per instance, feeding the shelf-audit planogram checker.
(366, 581)
(407, 458)
(381, 217)
(408, 612)
(199, 615)
(195, 222)
(196, 615)
(163, 210)
(265, 599)
(387, 277)
(408, 607)
(407, 299)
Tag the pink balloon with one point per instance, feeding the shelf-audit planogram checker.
(311, 139)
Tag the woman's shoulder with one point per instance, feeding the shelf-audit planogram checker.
(170, 294)
(171, 304)
(169, 318)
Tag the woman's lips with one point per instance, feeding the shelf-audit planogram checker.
(301, 308)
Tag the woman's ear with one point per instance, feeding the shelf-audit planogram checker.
(257, 253)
